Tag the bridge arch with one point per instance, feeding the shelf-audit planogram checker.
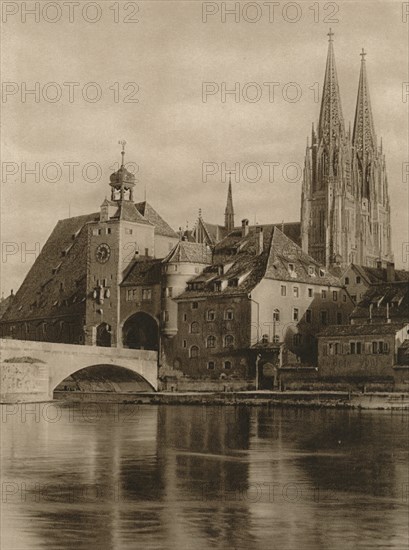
(104, 378)
(140, 331)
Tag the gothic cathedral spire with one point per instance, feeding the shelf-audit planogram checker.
(229, 211)
(364, 137)
(345, 208)
(331, 121)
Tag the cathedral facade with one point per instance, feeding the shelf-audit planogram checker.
(345, 208)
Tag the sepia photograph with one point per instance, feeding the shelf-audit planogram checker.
(204, 276)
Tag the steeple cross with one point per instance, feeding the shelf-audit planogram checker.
(330, 34)
(363, 54)
(123, 143)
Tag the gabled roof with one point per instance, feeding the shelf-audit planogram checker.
(62, 261)
(285, 254)
(4, 304)
(187, 252)
(150, 214)
(238, 265)
(375, 275)
(128, 212)
(143, 271)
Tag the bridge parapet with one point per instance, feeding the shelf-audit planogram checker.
(40, 366)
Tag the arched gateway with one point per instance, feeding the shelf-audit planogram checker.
(140, 331)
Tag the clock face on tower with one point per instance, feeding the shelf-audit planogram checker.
(102, 253)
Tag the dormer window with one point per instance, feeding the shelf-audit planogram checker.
(311, 271)
(291, 268)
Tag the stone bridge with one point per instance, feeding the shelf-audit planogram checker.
(30, 371)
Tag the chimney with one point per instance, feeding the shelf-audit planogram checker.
(379, 264)
(390, 272)
(370, 313)
(259, 239)
(388, 319)
(244, 227)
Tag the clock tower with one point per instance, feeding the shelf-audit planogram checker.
(119, 236)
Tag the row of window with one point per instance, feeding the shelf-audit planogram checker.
(323, 316)
(357, 280)
(310, 293)
(211, 315)
(228, 342)
(132, 295)
(356, 348)
(106, 231)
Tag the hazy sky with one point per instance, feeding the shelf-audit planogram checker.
(169, 53)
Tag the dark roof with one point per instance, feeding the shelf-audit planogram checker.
(384, 299)
(4, 304)
(128, 212)
(143, 272)
(376, 275)
(362, 330)
(62, 260)
(188, 252)
(161, 227)
(238, 266)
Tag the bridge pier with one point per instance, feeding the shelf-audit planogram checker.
(30, 371)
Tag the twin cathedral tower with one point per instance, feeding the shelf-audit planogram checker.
(345, 207)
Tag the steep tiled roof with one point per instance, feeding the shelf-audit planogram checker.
(185, 251)
(284, 254)
(4, 304)
(143, 271)
(129, 212)
(238, 266)
(56, 283)
(376, 299)
(379, 275)
(362, 330)
(161, 227)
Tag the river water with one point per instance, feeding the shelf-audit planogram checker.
(109, 476)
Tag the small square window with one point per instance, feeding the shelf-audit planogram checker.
(358, 280)
(283, 290)
(324, 294)
(335, 295)
(195, 305)
(310, 293)
(210, 365)
(295, 314)
(296, 291)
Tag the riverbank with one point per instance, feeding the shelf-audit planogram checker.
(314, 399)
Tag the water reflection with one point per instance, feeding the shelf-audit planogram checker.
(125, 477)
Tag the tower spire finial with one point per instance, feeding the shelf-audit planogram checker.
(123, 143)
(330, 35)
(363, 54)
(229, 210)
(331, 121)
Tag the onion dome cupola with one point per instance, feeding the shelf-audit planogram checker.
(122, 181)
